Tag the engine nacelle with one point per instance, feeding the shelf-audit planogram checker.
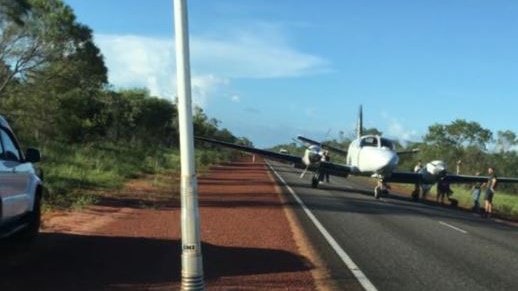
(433, 171)
(312, 156)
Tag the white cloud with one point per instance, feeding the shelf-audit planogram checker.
(235, 98)
(136, 61)
(139, 61)
(404, 135)
(205, 85)
(396, 130)
(246, 56)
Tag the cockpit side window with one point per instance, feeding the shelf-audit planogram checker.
(387, 143)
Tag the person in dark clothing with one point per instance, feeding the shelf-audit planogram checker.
(490, 192)
(326, 158)
(443, 189)
(417, 186)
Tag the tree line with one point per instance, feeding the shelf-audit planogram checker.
(54, 88)
(465, 146)
(469, 148)
(54, 85)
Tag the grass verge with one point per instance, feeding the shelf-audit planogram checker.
(505, 205)
(75, 175)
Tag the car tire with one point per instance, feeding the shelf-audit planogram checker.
(30, 232)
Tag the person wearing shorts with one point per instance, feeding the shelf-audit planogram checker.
(490, 192)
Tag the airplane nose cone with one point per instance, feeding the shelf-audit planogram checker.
(379, 161)
(387, 160)
(315, 157)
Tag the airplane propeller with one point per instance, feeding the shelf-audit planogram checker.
(313, 152)
(304, 172)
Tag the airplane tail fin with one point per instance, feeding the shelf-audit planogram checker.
(359, 128)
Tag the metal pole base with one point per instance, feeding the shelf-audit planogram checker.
(193, 283)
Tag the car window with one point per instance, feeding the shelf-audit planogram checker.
(10, 150)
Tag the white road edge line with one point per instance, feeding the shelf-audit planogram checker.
(453, 227)
(360, 276)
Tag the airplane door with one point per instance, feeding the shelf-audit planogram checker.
(14, 177)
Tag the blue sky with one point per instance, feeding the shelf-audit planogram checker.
(270, 70)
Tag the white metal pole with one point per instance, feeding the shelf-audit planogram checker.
(192, 267)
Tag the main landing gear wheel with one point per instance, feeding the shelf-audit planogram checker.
(33, 222)
(415, 195)
(381, 188)
(314, 181)
(377, 192)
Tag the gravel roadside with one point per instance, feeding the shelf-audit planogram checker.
(250, 241)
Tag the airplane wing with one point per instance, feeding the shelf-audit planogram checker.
(406, 177)
(332, 168)
(473, 179)
(335, 169)
(324, 146)
(265, 153)
(413, 177)
(412, 151)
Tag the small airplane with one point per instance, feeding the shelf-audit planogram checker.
(367, 155)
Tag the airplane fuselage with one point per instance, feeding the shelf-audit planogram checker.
(372, 154)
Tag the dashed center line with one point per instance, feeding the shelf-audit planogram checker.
(453, 227)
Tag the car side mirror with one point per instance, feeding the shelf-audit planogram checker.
(32, 155)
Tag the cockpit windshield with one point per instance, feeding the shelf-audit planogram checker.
(369, 141)
(376, 141)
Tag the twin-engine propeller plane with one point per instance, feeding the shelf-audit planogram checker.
(367, 155)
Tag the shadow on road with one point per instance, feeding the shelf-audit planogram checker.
(80, 262)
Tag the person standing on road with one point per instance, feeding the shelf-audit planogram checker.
(443, 189)
(418, 166)
(326, 158)
(417, 186)
(475, 193)
(490, 192)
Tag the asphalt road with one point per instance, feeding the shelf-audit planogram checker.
(398, 244)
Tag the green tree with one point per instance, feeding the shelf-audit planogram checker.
(459, 141)
(505, 141)
(203, 125)
(137, 118)
(54, 69)
(43, 35)
(13, 11)
(372, 130)
(80, 117)
(123, 110)
(458, 134)
(155, 122)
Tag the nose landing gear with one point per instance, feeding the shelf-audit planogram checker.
(381, 189)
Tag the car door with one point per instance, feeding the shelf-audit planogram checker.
(14, 177)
